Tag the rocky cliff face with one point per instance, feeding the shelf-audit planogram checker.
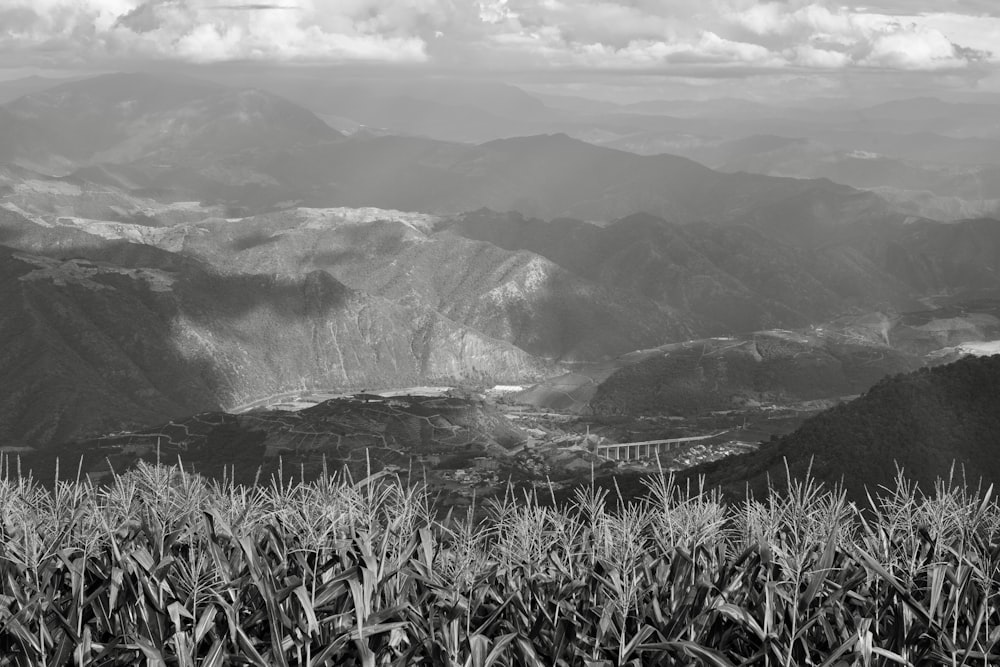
(270, 334)
(514, 295)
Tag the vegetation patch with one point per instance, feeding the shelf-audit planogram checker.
(167, 568)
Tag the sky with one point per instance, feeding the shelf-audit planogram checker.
(781, 47)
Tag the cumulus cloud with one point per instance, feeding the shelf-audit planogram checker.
(914, 49)
(817, 35)
(799, 34)
(200, 31)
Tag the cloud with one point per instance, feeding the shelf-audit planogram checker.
(816, 35)
(602, 34)
(811, 34)
(106, 31)
(810, 56)
(914, 49)
(252, 7)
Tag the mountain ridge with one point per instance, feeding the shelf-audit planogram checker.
(208, 142)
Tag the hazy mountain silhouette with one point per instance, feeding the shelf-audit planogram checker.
(194, 139)
(958, 257)
(14, 88)
(120, 118)
(435, 107)
(943, 166)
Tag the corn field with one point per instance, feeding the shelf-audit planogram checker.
(161, 567)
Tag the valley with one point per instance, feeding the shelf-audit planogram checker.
(460, 444)
(216, 273)
(683, 407)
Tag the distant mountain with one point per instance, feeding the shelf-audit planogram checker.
(717, 107)
(974, 178)
(434, 107)
(556, 176)
(728, 277)
(914, 147)
(120, 118)
(930, 114)
(189, 139)
(332, 94)
(12, 89)
(18, 138)
(575, 104)
(958, 257)
(926, 204)
(930, 176)
(924, 422)
(122, 334)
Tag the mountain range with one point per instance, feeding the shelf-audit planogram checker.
(190, 139)
(176, 245)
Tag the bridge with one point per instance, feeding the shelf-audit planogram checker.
(628, 451)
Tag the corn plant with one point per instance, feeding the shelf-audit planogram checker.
(159, 566)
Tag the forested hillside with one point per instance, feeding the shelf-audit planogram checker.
(922, 421)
